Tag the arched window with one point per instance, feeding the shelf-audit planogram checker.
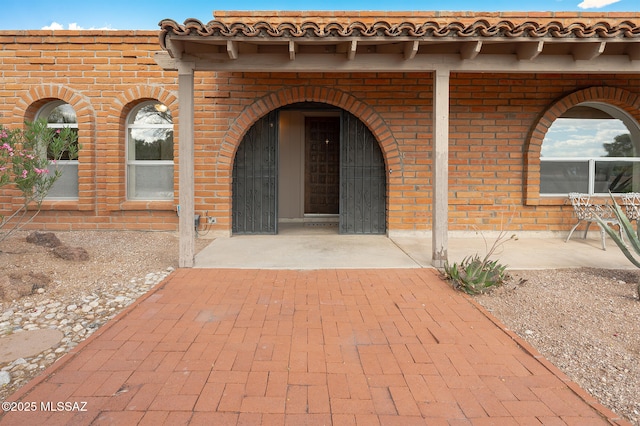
(150, 152)
(593, 148)
(58, 115)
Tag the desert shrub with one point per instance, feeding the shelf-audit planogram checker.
(26, 167)
(475, 275)
(631, 250)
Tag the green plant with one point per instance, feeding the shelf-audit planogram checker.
(627, 229)
(29, 163)
(475, 275)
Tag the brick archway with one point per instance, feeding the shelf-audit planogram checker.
(336, 98)
(118, 112)
(27, 108)
(126, 100)
(29, 104)
(619, 98)
(326, 95)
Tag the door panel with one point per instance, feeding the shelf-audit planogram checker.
(362, 180)
(254, 186)
(322, 170)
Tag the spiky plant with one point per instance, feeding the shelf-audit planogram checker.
(475, 275)
(631, 250)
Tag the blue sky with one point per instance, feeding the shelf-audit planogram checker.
(134, 14)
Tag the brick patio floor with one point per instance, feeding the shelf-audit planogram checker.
(231, 346)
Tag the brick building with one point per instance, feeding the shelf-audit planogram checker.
(394, 123)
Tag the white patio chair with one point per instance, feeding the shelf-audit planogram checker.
(587, 212)
(631, 203)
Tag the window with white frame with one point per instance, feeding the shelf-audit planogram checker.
(58, 115)
(593, 148)
(150, 152)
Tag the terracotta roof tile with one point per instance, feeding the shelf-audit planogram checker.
(463, 25)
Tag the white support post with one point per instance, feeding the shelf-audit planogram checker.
(440, 216)
(186, 179)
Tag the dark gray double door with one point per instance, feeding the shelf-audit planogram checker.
(362, 179)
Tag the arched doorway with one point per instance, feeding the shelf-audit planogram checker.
(309, 162)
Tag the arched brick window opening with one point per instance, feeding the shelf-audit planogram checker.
(588, 141)
(593, 148)
(149, 152)
(59, 114)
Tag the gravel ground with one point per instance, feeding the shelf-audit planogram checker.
(585, 321)
(82, 295)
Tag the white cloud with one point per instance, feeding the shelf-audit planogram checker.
(53, 26)
(596, 4)
(73, 26)
(580, 138)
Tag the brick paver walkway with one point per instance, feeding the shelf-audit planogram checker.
(386, 346)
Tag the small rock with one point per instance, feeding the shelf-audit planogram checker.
(45, 239)
(5, 378)
(71, 253)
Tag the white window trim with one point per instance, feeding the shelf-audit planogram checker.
(592, 170)
(44, 113)
(143, 163)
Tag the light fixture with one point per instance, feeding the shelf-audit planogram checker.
(160, 107)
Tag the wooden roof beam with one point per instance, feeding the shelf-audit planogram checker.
(470, 50)
(351, 52)
(529, 51)
(634, 52)
(293, 48)
(587, 51)
(232, 49)
(175, 48)
(411, 49)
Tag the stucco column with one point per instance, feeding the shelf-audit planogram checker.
(186, 179)
(440, 216)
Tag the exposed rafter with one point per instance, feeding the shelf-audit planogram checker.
(470, 50)
(633, 50)
(588, 51)
(175, 48)
(353, 47)
(292, 50)
(529, 51)
(232, 49)
(411, 49)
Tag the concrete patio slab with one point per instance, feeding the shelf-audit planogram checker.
(329, 250)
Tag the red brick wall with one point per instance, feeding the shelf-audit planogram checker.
(496, 120)
(102, 74)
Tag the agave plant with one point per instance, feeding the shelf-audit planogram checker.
(631, 250)
(474, 275)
